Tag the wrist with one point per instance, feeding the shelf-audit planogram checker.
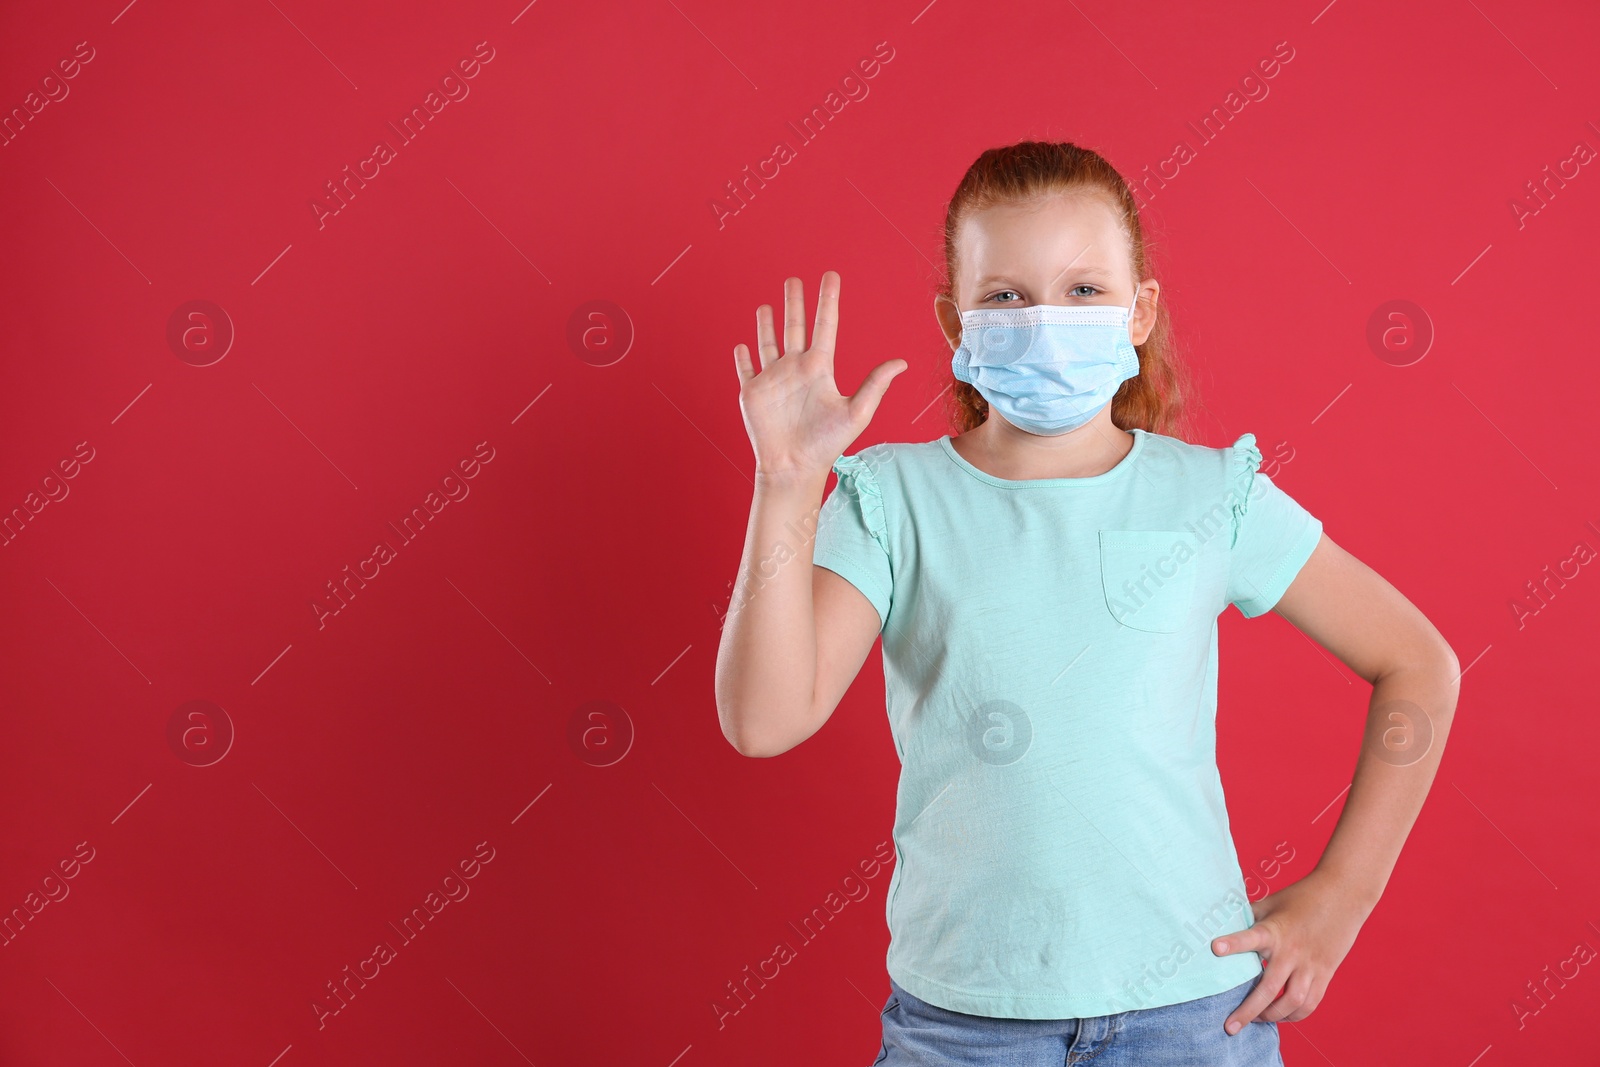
(789, 477)
(1360, 890)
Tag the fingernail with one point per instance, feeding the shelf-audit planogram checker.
(1233, 1028)
(1222, 946)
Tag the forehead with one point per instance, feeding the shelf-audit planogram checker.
(1036, 240)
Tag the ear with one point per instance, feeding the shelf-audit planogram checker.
(949, 316)
(1144, 312)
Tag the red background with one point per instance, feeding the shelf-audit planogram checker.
(376, 348)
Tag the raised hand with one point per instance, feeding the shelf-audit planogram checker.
(797, 420)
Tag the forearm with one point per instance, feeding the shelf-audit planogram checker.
(767, 660)
(1408, 720)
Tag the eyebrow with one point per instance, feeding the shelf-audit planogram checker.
(1099, 272)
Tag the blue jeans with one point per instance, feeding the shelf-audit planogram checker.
(1175, 1035)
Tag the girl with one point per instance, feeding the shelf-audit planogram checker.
(1047, 584)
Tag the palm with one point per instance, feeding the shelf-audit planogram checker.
(797, 419)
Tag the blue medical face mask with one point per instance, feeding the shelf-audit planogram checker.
(1048, 369)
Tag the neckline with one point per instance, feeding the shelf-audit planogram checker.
(1115, 472)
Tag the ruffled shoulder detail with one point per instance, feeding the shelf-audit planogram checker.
(857, 477)
(1244, 460)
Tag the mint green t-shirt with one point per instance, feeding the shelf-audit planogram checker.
(1050, 667)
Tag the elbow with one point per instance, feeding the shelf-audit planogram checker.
(1428, 653)
(1443, 659)
(1432, 664)
(746, 747)
(741, 740)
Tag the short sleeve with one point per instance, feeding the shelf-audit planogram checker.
(1272, 534)
(852, 536)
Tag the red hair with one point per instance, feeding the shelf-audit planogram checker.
(1157, 398)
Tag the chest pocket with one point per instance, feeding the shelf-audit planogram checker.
(1148, 578)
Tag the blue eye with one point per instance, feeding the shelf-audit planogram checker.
(1076, 290)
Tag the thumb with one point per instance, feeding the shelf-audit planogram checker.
(865, 401)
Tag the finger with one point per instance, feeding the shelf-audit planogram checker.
(1254, 939)
(794, 316)
(1272, 979)
(827, 324)
(1295, 1004)
(741, 363)
(766, 341)
(865, 401)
